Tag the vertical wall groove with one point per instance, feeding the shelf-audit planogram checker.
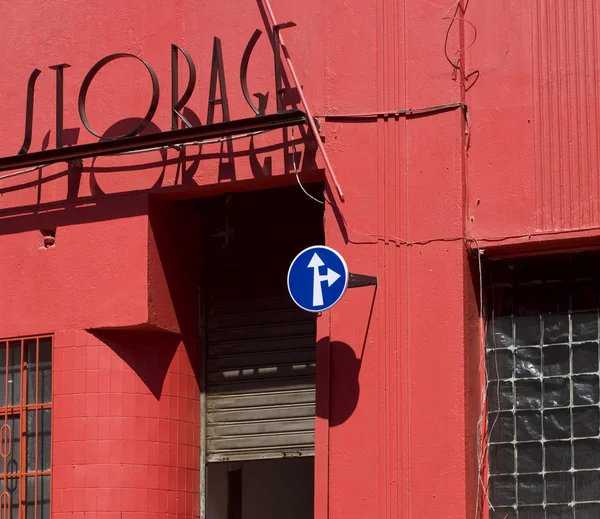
(595, 121)
(566, 118)
(540, 180)
(381, 100)
(390, 190)
(404, 461)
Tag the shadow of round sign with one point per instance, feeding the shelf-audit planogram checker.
(317, 278)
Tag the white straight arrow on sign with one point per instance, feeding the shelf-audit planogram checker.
(331, 277)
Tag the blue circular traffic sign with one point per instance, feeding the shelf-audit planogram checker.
(317, 278)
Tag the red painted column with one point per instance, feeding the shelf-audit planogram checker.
(404, 446)
(125, 428)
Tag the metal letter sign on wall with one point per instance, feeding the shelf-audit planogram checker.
(132, 140)
(317, 278)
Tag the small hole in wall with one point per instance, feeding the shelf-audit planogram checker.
(48, 238)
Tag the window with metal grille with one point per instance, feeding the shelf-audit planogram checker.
(543, 388)
(25, 417)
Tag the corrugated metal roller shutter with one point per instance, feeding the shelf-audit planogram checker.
(260, 395)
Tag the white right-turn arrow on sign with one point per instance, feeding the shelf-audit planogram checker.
(331, 277)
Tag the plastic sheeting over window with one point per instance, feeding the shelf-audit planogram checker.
(542, 361)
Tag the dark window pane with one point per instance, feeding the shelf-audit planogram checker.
(587, 486)
(529, 394)
(585, 327)
(559, 512)
(43, 439)
(45, 370)
(531, 512)
(10, 500)
(529, 457)
(14, 372)
(44, 425)
(587, 511)
(31, 346)
(556, 360)
(503, 513)
(528, 362)
(30, 435)
(11, 429)
(586, 421)
(500, 396)
(528, 425)
(556, 328)
(3, 388)
(501, 427)
(44, 498)
(553, 297)
(527, 299)
(499, 332)
(585, 357)
(502, 490)
(584, 294)
(586, 389)
(502, 458)
(558, 455)
(501, 300)
(557, 424)
(42, 501)
(559, 488)
(557, 392)
(499, 364)
(43, 377)
(587, 454)
(527, 330)
(530, 490)
(30, 497)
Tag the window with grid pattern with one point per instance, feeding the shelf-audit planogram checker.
(542, 360)
(25, 418)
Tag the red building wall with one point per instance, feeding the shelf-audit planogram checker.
(521, 167)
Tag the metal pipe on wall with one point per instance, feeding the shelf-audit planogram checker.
(309, 116)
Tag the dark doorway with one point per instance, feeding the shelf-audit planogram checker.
(259, 355)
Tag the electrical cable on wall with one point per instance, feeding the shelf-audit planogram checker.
(366, 115)
(399, 241)
(455, 61)
(482, 424)
(407, 112)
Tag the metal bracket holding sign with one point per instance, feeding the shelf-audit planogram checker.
(360, 280)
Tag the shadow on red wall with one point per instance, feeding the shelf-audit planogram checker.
(344, 387)
(148, 353)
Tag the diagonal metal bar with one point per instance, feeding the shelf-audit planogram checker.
(311, 121)
(168, 138)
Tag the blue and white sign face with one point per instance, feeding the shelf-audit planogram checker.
(317, 278)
